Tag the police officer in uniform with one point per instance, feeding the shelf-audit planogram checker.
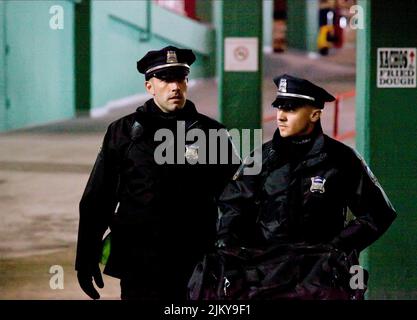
(162, 217)
(295, 211)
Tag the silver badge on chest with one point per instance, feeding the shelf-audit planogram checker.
(317, 184)
(191, 153)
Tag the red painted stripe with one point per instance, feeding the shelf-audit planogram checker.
(269, 118)
(347, 94)
(346, 135)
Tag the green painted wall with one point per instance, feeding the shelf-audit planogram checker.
(188, 33)
(267, 23)
(2, 68)
(240, 93)
(82, 55)
(123, 31)
(204, 10)
(296, 24)
(386, 135)
(303, 24)
(363, 63)
(39, 68)
(363, 82)
(91, 61)
(218, 26)
(313, 26)
(115, 48)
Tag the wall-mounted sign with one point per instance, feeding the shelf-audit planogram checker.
(241, 54)
(396, 68)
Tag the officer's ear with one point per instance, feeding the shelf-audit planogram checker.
(315, 115)
(149, 86)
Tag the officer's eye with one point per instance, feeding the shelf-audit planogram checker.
(292, 107)
(289, 109)
(180, 80)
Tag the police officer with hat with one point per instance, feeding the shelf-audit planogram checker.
(162, 216)
(299, 91)
(292, 218)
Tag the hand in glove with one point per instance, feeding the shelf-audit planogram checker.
(85, 279)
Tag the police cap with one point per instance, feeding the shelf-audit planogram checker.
(169, 63)
(294, 92)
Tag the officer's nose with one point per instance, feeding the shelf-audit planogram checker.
(281, 116)
(174, 85)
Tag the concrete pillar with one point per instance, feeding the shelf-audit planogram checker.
(82, 56)
(240, 92)
(268, 24)
(2, 67)
(303, 24)
(386, 129)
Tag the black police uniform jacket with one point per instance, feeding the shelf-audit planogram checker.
(162, 217)
(294, 217)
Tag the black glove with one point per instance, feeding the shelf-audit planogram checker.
(85, 279)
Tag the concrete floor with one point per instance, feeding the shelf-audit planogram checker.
(43, 171)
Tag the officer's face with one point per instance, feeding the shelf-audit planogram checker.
(169, 95)
(297, 121)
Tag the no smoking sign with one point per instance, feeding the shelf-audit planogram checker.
(241, 54)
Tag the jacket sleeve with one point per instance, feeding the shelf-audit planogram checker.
(369, 204)
(238, 208)
(97, 204)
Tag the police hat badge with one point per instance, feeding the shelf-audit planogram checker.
(317, 184)
(282, 85)
(191, 153)
(171, 57)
